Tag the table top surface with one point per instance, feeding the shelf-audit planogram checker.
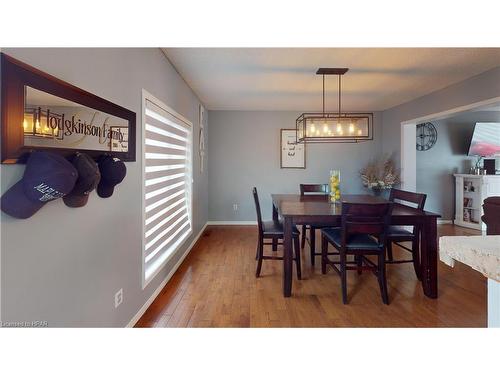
(320, 205)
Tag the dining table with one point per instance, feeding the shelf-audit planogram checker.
(318, 210)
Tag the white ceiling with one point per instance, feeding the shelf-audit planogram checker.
(285, 79)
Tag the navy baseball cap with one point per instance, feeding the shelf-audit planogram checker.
(88, 179)
(113, 171)
(47, 176)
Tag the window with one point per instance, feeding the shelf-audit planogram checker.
(167, 184)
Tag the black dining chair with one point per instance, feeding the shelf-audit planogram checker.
(397, 234)
(317, 189)
(362, 233)
(273, 230)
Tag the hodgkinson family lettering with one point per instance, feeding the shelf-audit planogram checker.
(76, 126)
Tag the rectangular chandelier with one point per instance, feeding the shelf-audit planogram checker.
(332, 127)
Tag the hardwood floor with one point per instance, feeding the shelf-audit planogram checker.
(216, 287)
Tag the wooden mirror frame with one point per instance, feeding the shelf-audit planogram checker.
(15, 75)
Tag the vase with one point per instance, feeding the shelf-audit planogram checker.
(377, 192)
(334, 185)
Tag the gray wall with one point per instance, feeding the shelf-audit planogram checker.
(64, 265)
(481, 87)
(436, 166)
(244, 152)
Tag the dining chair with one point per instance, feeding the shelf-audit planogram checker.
(317, 189)
(363, 232)
(397, 234)
(273, 230)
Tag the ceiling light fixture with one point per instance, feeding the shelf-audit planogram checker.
(358, 125)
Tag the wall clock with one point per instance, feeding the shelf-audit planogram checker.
(426, 136)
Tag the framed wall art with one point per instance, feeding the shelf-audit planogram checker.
(201, 144)
(42, 112)
(292, 154)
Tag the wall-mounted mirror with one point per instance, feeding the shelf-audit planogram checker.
(41, 112)
(51, 121)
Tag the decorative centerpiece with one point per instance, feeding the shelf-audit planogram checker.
(334, 185)
(380, 174)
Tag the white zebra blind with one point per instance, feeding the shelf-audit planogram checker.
(167, 184)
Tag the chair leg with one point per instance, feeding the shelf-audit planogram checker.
(343, 276)
(382, 280)
(324, 253)
(275, 244)
(312, 243)
(303, 233)
(359, 263)
(297, 257)
(389, 251)
(415, 254)
(260, 255)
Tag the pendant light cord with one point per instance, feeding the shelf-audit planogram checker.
(340, 80)
(323, 95)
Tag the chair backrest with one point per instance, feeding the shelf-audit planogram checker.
(402, 196)
(257, 208)
(491, 217)
(321, 189)
(366, 218)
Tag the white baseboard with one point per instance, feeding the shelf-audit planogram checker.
(442, 221)
(150, 300)
(232, 223)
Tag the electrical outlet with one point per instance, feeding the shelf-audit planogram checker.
(235, 207)
(118, 298)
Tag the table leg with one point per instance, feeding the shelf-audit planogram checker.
(429, 250)
(287, 257)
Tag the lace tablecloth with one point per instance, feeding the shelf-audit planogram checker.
(481, 253)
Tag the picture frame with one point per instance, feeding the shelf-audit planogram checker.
(467, 202)
(42, 112)
(467, 215)
(201, 137)
(292, 154)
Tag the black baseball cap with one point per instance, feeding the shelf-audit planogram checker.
(47, 176)
(113, 171)
(88, 178)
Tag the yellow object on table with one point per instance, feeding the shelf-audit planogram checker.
(334, 185)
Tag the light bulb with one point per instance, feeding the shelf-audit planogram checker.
(313, 128)
(351, 128)
(360, 132)
(37, 125)
(325, 128)
(339, 127)
(25, 124)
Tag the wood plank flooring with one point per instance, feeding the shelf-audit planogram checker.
(216, 287)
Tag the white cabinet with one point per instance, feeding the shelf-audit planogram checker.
(470, 192)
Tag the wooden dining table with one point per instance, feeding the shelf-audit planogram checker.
(317, 210)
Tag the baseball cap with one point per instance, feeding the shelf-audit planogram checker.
(88, 178)
(47, 176)
(113, 171)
